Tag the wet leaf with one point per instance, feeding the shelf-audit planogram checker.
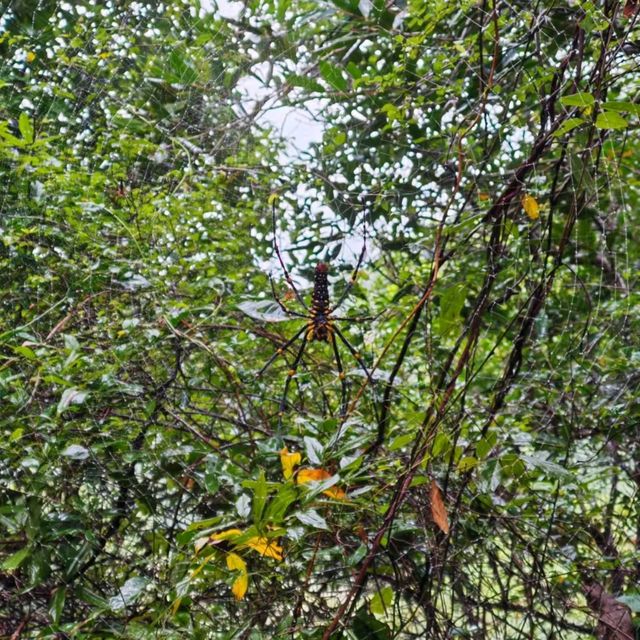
(76, 452)
(313, 519)
(264, 310)
(16, 559)
(69, 397)
(128, 593)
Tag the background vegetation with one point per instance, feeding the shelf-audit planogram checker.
(483, 483)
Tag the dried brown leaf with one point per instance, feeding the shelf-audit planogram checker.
(438, 508)
(630, 8)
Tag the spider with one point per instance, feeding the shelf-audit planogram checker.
(320, 323)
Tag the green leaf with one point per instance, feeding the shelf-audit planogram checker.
(350, 6)
(537, 461)
(243, 505)
(630, 107)
(486, 444)
(76, 452)
(339, 138)
(568, 125)
(381, 601)
(312, 518)
(578, 100)
(204, 524)
(266, 310)
(441, 444)
(16, 559)
(128, 593)
(25, 352)
(451, 303)
(310, 84)
(26, 127)
(333, 75)
(69, 397)
(314, 450)
(183, 70)
(353, 70)
(401, 440)
(56, 604)
(610, 120)
(367, 627)
(393, 113)
(467, 463)
(632, 601)
(278, 506)
(91, 598)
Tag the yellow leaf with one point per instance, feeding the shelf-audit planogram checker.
(289, 461)
(234, 561)
(240, 585)
(265, 547)
(438, 508)
(316, 475)
(530, 205)
(225, 535)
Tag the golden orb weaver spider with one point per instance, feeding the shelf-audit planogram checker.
(320, 323)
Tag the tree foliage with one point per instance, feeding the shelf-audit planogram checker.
(483, 480)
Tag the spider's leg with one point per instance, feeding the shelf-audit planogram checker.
(277, 250)
(290, 374)
(281, 304)
(356, 319)
(358, 358)
(343, 382)
(280, 351)
(354, 276)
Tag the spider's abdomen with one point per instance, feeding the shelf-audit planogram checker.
(320, 296)
(320, 325)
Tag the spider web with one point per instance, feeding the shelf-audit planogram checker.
(405, 158)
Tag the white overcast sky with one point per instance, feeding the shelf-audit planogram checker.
(298, 127)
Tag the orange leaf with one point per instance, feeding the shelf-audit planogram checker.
(312, 475)
(438, 508)
(317, 475)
